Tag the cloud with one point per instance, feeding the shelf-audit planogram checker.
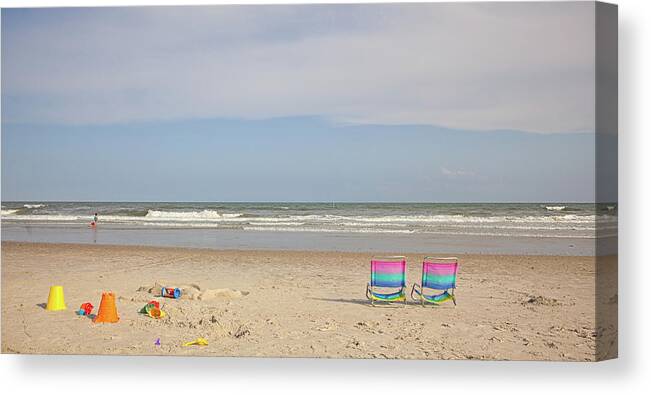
(526, 66)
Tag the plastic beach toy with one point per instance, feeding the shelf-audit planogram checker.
(174, 293)
(156, 313)
(199, 342)
(150, 305)
(55, 300)
(85, 309)
(107, 310)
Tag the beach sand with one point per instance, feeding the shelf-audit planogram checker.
(303, 304)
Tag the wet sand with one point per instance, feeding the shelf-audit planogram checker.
(304, 304)
(234, 239)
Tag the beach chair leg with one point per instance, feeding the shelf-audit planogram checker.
(422, 298)
(420, 294)
(454, 299)
(413, 289)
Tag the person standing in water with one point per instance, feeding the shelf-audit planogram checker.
(94, 223)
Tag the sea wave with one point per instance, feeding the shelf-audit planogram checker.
(438, 219)
(555, 208)
(325, 230)
(280, 223)
(393, 220)
(560, 226)
(8, 211)
(34, 205)
(44, 218)
(438, 233)
(190, 215)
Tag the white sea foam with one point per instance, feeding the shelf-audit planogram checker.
(324, 230)
(401, 221)
(45, 218)
(262, 223)
(189, 215)
(439, 219)
(508, 223)
(431, 219)
(34, 205)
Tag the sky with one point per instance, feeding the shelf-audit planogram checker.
(393, 102)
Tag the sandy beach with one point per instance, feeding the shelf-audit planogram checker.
(303, 304)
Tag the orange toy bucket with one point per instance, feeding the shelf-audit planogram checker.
(108, 312)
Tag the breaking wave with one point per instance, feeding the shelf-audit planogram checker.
(534, 220)
(324, 230)
(34, 205)
(189, 215)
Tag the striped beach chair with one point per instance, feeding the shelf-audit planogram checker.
(439, 274)
(386, 273)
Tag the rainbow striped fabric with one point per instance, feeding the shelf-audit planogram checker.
(439, 274)
(438, 298)
(388, 272)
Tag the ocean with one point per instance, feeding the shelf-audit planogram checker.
(332, 225)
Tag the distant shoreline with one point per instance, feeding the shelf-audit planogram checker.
(144, 247)
(215, 239)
